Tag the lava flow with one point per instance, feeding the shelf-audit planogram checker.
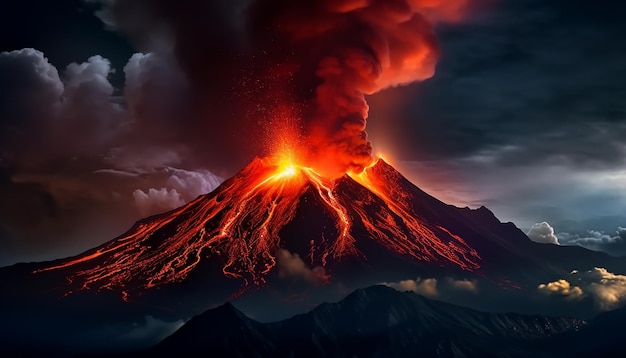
(241, 221)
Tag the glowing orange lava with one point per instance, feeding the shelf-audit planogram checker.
(419, 240)
(240, 222)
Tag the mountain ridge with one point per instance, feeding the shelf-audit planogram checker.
(370, 322)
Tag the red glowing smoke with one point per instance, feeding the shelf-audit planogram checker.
(329, 54)
(255, 64)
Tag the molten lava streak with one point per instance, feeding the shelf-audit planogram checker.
(240, 222)
(418, 240)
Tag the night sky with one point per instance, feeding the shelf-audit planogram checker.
(114, 110)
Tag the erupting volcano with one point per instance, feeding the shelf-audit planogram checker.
(241, 224)
(319, 195)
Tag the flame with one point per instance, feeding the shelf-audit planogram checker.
(240, 222)
(285, 167)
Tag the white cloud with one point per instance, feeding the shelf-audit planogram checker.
(192, 183)
(463, 285)
(35, 81)
(429, 286)
(291, 266)
(563, 288)
(606, 289)
(542, 233)
(426, 287)
(93, 73)
(154, 201)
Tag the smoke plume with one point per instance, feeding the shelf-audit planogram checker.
(263, 67)
(215, 84)
(333, 53)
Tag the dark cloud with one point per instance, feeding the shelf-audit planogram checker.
(203, 41)
(614, 244)
(525, 113)
(74, 154)
(65, 31)
(532, 81)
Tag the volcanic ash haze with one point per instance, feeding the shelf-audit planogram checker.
(325, 56)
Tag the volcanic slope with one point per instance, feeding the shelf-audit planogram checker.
(358, 229)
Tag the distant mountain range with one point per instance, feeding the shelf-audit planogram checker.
(374, 322)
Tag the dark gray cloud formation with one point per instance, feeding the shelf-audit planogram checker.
(526, 113)
(612, 243)
(80, 164)
(531, 82)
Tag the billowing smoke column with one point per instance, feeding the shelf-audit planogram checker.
(306, 65)
(331, 53)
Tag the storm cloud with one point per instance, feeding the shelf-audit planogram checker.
(77, 152)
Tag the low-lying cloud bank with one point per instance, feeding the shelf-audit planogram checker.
(614, 244)
(606, 289)
(431, 287)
